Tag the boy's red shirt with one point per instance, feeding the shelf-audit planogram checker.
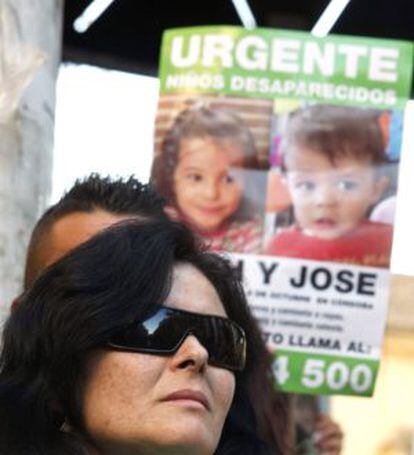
(369, 244)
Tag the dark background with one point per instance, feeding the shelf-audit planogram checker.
(128, 34)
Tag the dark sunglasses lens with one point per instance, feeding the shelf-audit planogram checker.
(156, 334)
(224, 341)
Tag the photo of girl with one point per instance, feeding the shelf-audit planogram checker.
(208, 171)
(335, 165)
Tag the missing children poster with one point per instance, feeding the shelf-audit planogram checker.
(281, 150)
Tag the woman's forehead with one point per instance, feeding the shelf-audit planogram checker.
(192, 291)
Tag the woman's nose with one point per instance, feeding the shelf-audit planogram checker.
(191, 355)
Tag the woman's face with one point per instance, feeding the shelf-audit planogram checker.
(140, 403)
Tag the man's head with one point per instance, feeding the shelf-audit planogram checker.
(88, 207)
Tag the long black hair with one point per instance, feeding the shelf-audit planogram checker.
(75, 306)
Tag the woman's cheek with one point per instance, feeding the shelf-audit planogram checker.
(225, 386)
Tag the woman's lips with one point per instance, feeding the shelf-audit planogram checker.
(188, 395)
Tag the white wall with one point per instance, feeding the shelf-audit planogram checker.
(104, 123)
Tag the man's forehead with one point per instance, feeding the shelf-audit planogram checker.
(73, 229)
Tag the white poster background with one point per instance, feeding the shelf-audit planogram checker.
(338, 309)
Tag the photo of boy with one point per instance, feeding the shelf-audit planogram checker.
(207, 170)
(334, 165)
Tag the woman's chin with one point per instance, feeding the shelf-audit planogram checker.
(172, 442)
(191, 438)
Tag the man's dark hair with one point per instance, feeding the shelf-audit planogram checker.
(117, 197)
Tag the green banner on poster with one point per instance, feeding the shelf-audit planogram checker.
(270, 63)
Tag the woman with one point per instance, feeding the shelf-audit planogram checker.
(131, 344)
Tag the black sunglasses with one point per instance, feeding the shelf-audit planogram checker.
(163, 332)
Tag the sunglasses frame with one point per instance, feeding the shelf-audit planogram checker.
(189, 331)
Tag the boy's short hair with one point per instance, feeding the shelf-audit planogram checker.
(196, 121)
(336, 132)
(117, 197)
